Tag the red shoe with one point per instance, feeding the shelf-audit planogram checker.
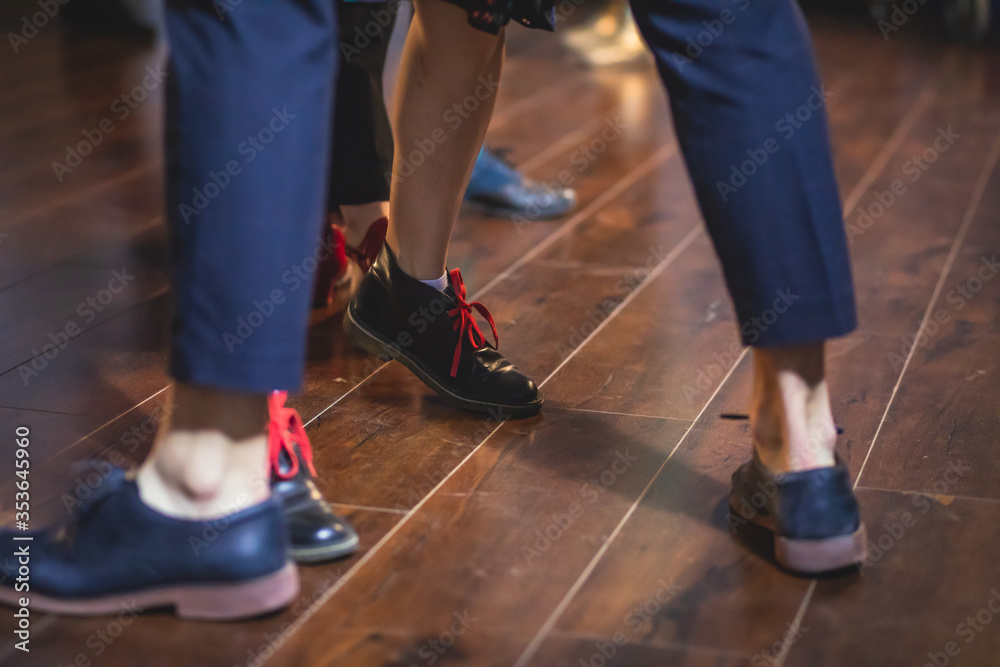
(371, 244)
(332, 272)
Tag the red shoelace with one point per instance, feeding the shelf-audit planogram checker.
(465, 322)
(284, 430)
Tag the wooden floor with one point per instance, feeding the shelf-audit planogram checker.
(619, 311)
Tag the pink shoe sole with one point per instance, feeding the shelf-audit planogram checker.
(215, 602)
(812, 556)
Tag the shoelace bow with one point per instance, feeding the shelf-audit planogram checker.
(465, 322)
(284, 430)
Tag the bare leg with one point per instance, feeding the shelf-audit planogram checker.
(355, 219)
(791, 420)
(445, 63)
(210, 456)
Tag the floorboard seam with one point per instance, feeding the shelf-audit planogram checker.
(595, 205)
(967, 219)
(793, 629)
(599, 202)
(927, 95)
(550, 622)
(620, 414)
(84, 193)
(563, 144)
(889, 148)
(369, 508)
(330, 592)
(929, 494)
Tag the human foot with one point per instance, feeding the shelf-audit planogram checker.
(117, 552)
(434, 334)
(795, 485)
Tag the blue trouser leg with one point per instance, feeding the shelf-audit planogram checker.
(248, 129)
(751, 122)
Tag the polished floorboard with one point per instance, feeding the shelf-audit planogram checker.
(619, 311)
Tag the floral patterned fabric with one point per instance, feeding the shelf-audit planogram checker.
(492, 15)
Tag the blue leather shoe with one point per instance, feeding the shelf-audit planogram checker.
(813, 514)
(500, 188)
(317, 534)
(118, 553)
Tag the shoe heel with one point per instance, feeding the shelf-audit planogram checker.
(220, 602)
(813, 556)
(360, 336)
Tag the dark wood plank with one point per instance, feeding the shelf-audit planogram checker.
(730, 585)
(158, 639)
(572, 651)
(918, 593)
(389, 442)
(943, 421)
(529, 472)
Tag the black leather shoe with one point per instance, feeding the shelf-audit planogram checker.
(118, 554)
(434, 334)
(813, 514)
(317, 533)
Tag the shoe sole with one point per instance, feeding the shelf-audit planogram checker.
(498, 210)
(320, 554)
(812, 556)
(213, 602)
(373, 344)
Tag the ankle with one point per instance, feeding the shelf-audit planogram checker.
(210, 459)
(791, 421)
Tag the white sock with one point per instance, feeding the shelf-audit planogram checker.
(439, 284)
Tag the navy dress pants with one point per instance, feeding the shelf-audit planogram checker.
(248, 131)
(248, 136)
(750, 118)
